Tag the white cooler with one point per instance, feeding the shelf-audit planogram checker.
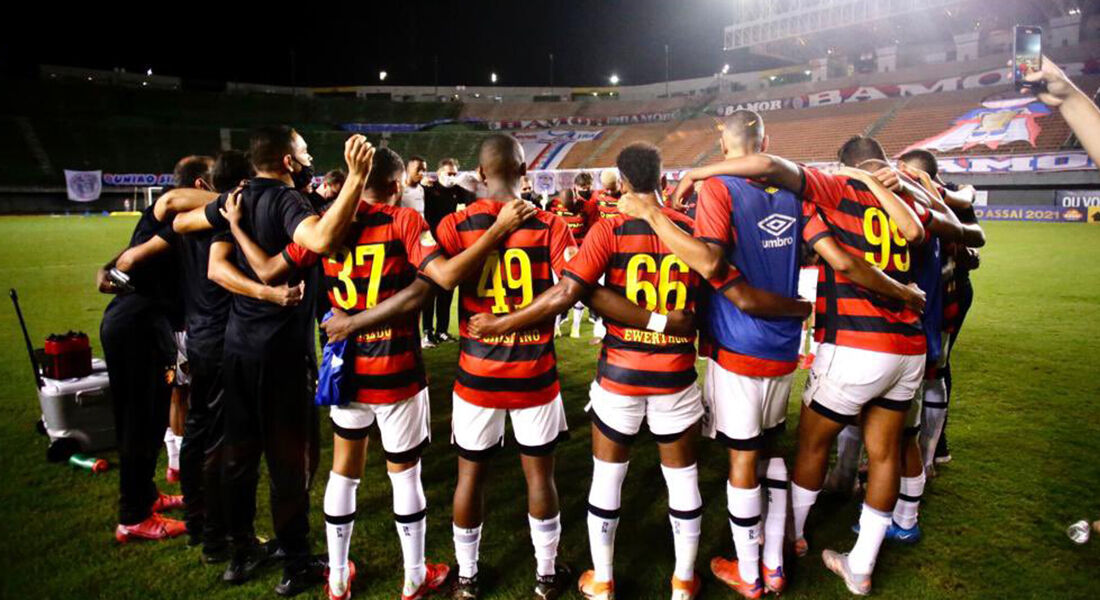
(79, 409)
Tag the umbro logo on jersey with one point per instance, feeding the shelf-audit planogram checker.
(776, 224)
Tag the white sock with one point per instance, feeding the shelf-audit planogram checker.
(467, 542)
(604, 502)
(872, 530)
(849, 448)
(172, 447)
(933, 416)
(908, 506)
(775, 521)
(802, 500)
(339, 520)
(545, 535)
(578, 314)
(685, 512)
(744, 513)
(410, 515)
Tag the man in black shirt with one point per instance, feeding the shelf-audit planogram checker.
(441, 199)
(268, 409)
(136, 334)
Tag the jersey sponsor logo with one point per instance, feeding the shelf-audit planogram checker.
(777, 224)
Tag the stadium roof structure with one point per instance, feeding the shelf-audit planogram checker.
(796, 31)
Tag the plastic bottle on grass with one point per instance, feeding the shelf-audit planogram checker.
(91, 463)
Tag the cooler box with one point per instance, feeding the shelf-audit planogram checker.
(79, 409)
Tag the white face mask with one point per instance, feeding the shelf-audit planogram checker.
(447, 180)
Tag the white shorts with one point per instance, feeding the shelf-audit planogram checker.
(478, 431)
(743, 412)
(183, 369)
(405, 426)
(845, 379)
(807, 282)
(668, 415)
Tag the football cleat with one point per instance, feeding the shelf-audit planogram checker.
(860, 585)
(428, 341)
(346, 595)
(245, 561)
(167, 502)
(435, 575)
(685, 590)
(942, 460)
(728, 573)
(897, 533)
(172, 475)
(801, 547)
(443, 337)
(465, 588)
(595, 590)
(775, 580)
(155, 527)
(552, 587)
(300, 578)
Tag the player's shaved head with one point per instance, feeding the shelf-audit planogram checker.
(923, 160)
(386, 170)
(500, 158)
(859, 149)
(744, 128)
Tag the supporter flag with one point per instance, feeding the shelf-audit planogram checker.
(997, 122)
(84, 186)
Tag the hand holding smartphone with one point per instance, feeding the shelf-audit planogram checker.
(1027, 56)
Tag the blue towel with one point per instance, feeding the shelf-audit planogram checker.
(337, 373)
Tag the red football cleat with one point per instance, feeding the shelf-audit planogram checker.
(167, 502)
(155, 527)
(775, 580)
(347, 590)
(172, 475)
(434, 578)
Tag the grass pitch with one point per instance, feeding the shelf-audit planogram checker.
(1023, 434)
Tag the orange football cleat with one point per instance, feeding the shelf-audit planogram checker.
(728, 572)
(685, 590)
(595, 590)
(775, 580)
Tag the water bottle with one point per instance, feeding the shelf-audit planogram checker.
(98, 465)
(1079, 532)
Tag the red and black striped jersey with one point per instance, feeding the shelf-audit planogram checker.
(385, 248)
(574, 217)
(602, 205)
(849, 314)
(518, 370)
(640, 267)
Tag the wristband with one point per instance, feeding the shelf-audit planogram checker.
(657, 322)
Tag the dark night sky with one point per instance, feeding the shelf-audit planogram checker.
(590, 39)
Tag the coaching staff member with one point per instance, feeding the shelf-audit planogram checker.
(268, 408)
(441, 199)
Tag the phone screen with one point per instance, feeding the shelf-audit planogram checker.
(1027, 53)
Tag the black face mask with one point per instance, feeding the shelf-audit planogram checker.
(531, 197)
(586, 194)
(302, 178)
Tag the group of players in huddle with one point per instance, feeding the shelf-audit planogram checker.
(669, 288)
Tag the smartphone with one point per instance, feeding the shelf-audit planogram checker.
(1027, 55)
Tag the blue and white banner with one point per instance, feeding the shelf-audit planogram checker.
(83, 186)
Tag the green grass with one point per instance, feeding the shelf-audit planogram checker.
(1023, 430)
